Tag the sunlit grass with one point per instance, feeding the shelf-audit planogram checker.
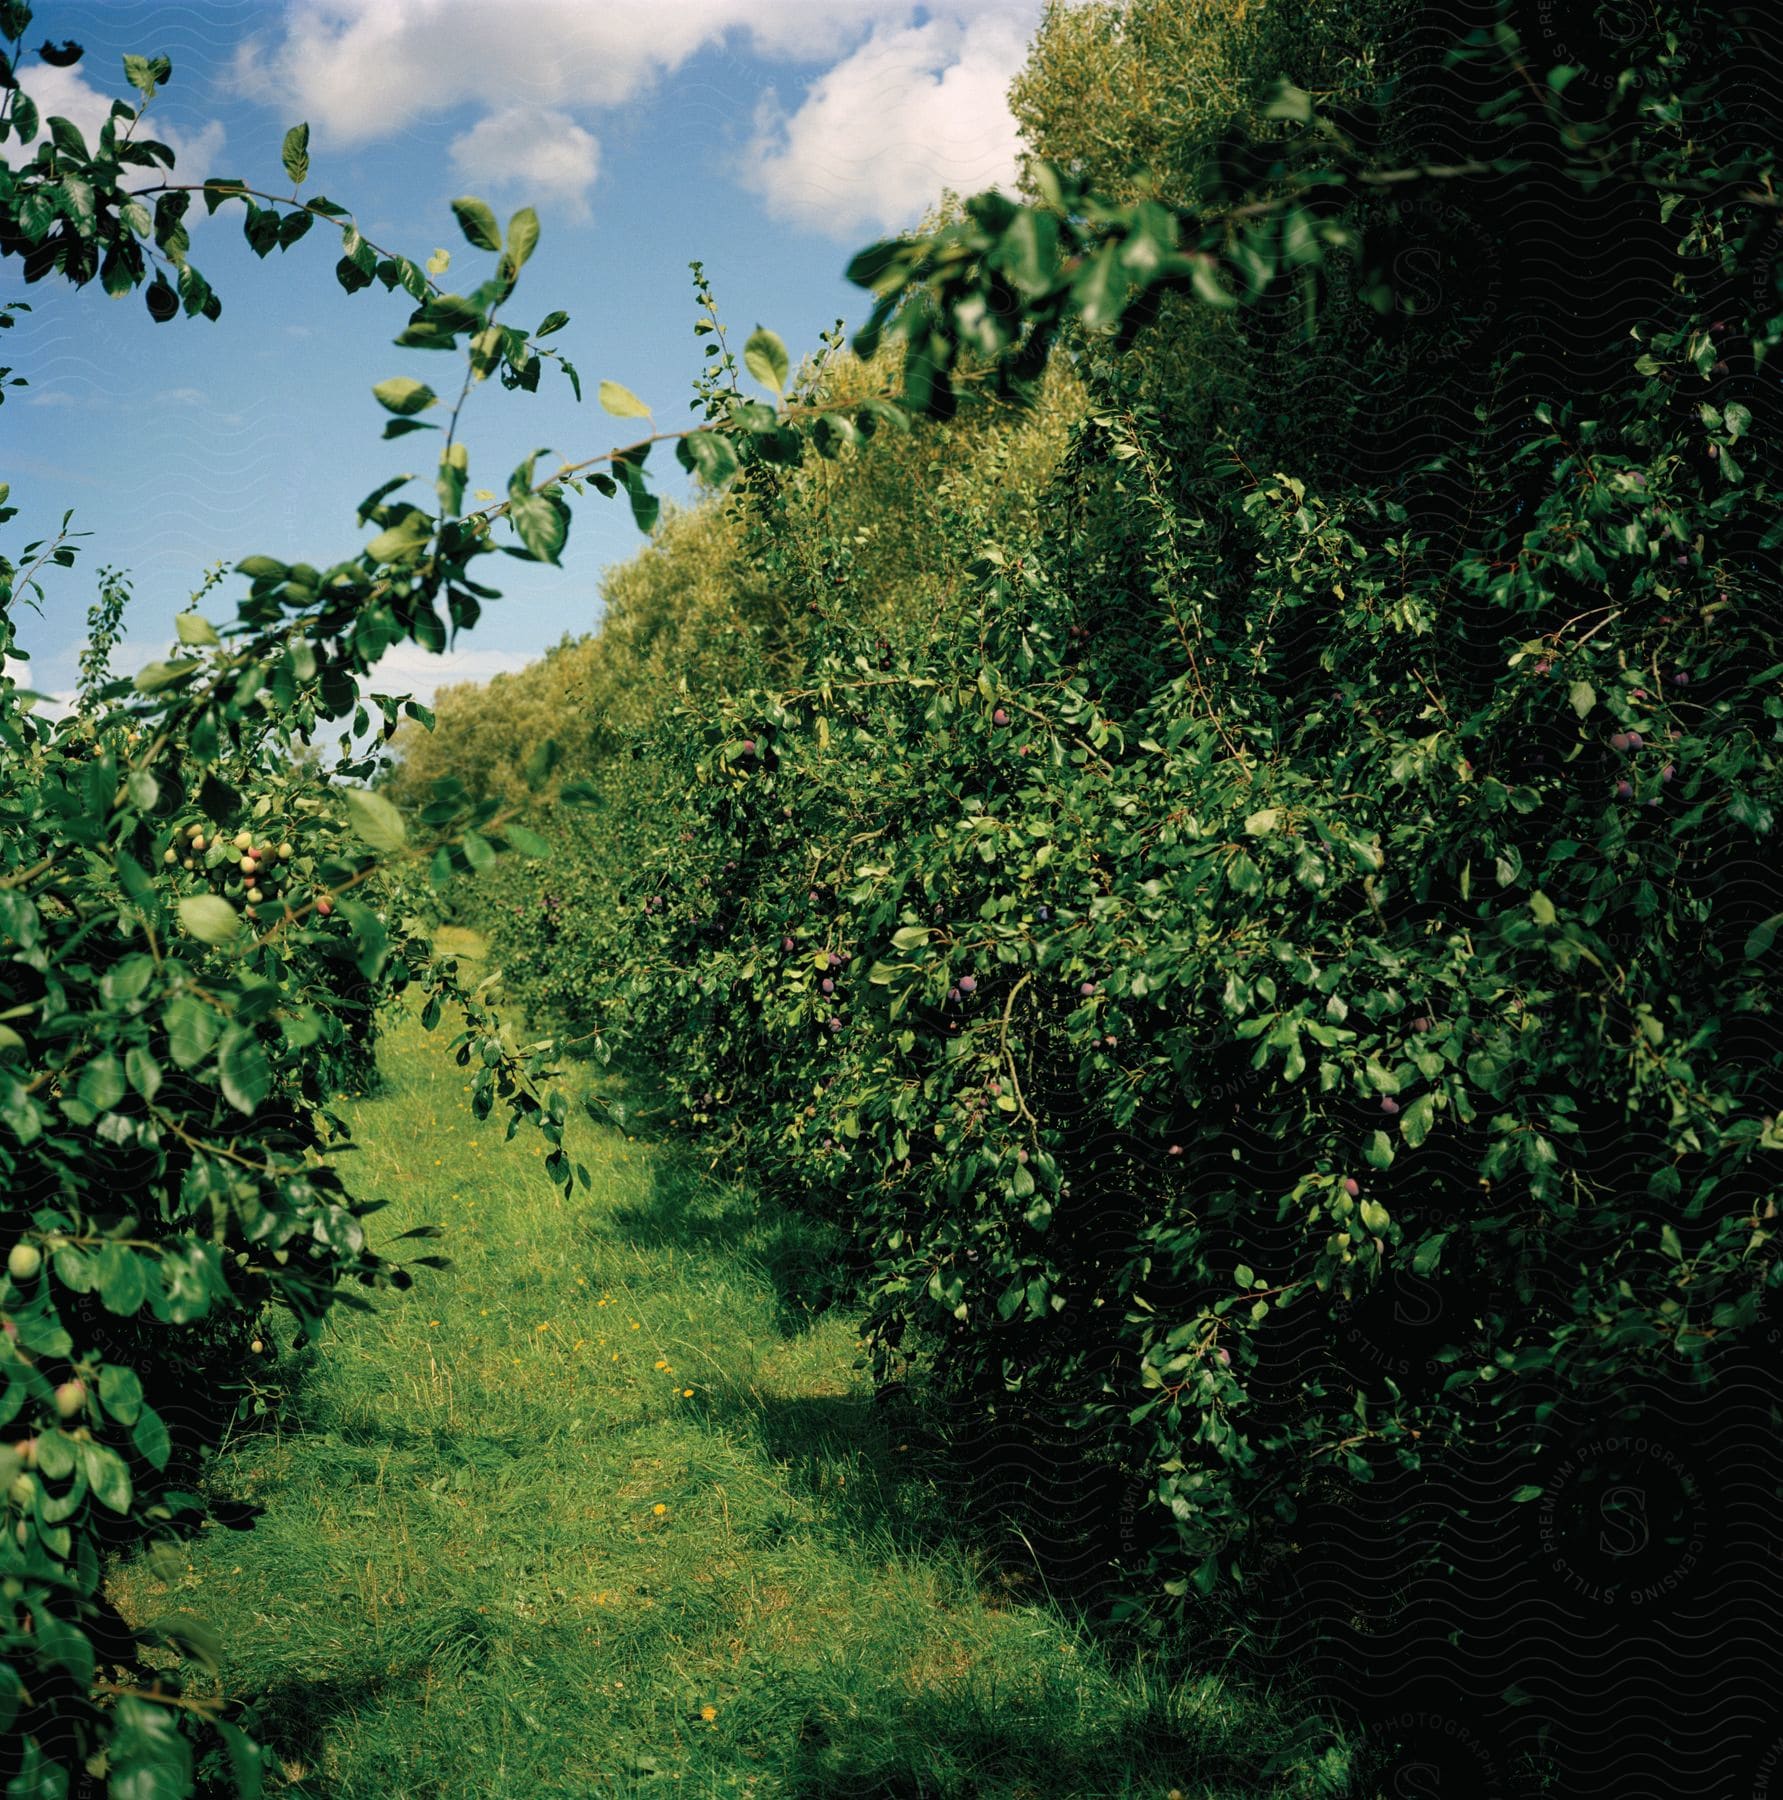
(604, 1511)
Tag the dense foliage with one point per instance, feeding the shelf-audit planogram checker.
(1315, 878)
(1304, 840)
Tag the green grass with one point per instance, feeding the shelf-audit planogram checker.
(604, 1511)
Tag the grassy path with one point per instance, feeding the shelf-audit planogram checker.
(601, 1512)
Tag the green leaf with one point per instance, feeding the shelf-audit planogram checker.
(528, 843)
(551, 322)
(1290, 102)
(242, 1065)
(523, 237)
(1030, 250)
(149, 1435)
(764, 356)
(1762, 936)
(107, 1477)
(1378, 1151)
(403, 395)
(143, 73)
(1375, 1216)
(195, 628)
(477, 222)
(1260, 824)
(120, 1391)
(1429, 1253)
(1100, 288)
(143, 1070)
(211, 919)
(102, 1083)
(541, 760)
(374, 820)
(542, 523)
(1583, 696)
(1416, 1121)
(296, 153)
(402, 542)
(1542, 908)
(127, 979)
(191, 1027)
(1527, 1492)
(707, 454)
(621, 402)
(159, 675)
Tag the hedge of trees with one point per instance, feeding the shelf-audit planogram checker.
(1277, 971)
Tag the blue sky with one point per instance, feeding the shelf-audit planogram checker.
(768, 138)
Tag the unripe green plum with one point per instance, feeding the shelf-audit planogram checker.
(24, 1261)
(71, 1397)
(23, 1490)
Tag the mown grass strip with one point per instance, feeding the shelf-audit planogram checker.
(604, 1510)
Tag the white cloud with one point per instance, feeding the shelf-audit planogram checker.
(65, 94)
(52, 705)
(408, 669)
(545, 152)
(366, 69)
(182, 396)
(878, 137)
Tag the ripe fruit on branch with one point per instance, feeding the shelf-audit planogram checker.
(968, 984)
(244, 841)
(999, 717)
(286, 853)
(324, 906)
(1351, 1186)
(70, 1398)
(170, 856)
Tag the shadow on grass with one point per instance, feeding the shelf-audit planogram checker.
(294, 1719)
(806, 1262)
(975, 1743)
(1016, 1490)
